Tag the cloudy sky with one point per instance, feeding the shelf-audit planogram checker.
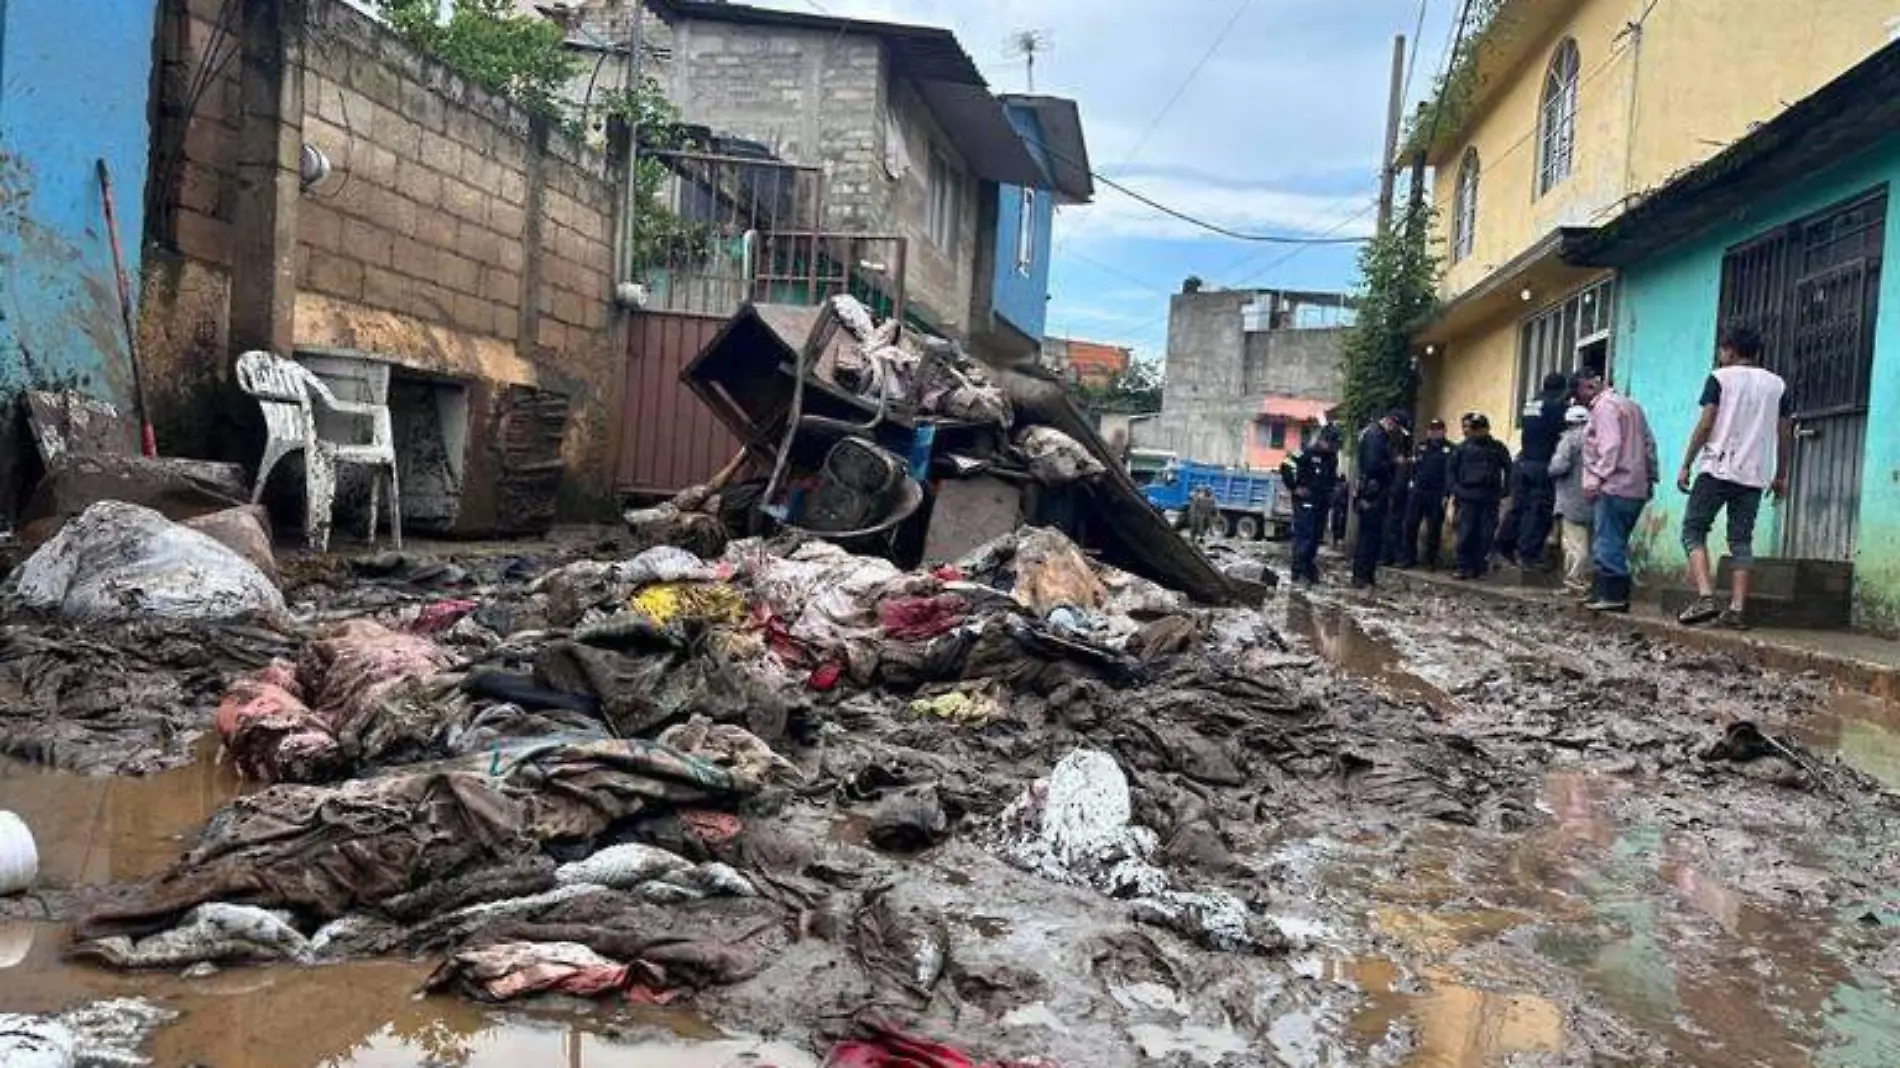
(1276, 132)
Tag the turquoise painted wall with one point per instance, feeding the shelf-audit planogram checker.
(74, 82)
(1665, 348)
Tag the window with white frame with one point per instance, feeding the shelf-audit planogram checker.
(1557, 121)
(1572, 334)
(945, 194)
(1464, 207)
(1026, 233)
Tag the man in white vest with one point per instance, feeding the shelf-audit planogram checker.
(1739, 449)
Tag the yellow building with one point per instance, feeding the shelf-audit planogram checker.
(1574, 109)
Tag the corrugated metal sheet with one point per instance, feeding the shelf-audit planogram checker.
(669, 439)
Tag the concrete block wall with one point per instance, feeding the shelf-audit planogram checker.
(1204, 410)
(1306, 363)
(458, 235)
(822, 98)
(1218, 374)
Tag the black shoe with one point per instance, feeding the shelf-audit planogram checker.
(1730, 619)
(1700, 611)
(1463, 576)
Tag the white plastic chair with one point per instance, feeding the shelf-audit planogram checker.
(284, 390)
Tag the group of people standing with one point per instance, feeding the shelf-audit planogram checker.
(1588, 460)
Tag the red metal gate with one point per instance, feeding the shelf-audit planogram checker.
(669, 439)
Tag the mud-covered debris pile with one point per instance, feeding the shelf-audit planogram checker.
(586, 779)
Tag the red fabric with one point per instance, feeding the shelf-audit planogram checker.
(886, 1047)
(948, 573)
(826, 676)
(913, 619)
(711, 829)
(440, 616)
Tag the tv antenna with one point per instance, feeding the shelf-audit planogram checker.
(1029, 44)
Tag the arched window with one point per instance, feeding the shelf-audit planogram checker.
(1464, 207)
(1557, 122)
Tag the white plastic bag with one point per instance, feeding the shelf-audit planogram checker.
(121, 561)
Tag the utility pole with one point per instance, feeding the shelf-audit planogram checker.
(1387, 158)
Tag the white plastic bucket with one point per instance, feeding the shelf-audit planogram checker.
(19, 858)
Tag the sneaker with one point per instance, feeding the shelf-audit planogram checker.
(1606, 605)
(1700, 611)
(1730, 619)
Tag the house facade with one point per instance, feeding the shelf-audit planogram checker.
(1790, 231)
(912, 144)
(1251, 374)
(1086, 363)
(1570, 109)
(1008, 316)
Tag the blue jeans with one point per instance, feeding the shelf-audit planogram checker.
(1309, 522)
(1615, 521)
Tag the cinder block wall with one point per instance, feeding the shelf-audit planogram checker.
(458, 235)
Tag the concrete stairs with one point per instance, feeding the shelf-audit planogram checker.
(1791, 594)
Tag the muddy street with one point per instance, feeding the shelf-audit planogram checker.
(1407, 829)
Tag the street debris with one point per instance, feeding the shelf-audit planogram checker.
(611, 779)
(121, 561)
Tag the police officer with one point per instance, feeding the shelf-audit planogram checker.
(1379, 447)
(1397, 502)
(1310, 476)
(1480, 476)
(1426, 507)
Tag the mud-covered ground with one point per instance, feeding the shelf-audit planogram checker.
(1487, 835)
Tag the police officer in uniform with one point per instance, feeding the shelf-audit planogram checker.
(1426, 507)
(1311, 476)
(1379, 446)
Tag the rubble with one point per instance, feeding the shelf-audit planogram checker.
(599, 778)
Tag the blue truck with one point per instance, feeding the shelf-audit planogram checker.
(1252, 503)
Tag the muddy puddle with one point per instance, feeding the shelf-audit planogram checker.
(1340, 640)
(365, 1015)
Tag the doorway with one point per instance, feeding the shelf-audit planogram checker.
(1812, 289)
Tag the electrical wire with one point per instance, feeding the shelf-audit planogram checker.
(1270, 239)
(1411, 63)
(1137, 195)
(1180, 90)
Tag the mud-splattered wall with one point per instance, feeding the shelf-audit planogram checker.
(60, 320)
(458, 236)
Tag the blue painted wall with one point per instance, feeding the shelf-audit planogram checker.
(75, 77)
(1665, 348)
(1021, 298)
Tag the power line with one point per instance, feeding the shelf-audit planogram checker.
(1411, 64)
(1134, 194)
(1271, 239)
(1181, 90)
(1155, 123)
(1458, 38)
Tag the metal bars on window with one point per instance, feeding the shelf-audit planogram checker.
(1810, 290)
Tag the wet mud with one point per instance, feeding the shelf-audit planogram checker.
(1491, 840)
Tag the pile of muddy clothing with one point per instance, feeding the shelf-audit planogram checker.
(127, 698)
(584, 782)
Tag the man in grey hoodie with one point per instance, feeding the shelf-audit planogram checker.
(1566, 470)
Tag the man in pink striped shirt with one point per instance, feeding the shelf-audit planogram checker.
(1619, 477)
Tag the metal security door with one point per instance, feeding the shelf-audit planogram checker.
(1812, 289)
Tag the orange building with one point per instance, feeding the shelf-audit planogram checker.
(1088, 363)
